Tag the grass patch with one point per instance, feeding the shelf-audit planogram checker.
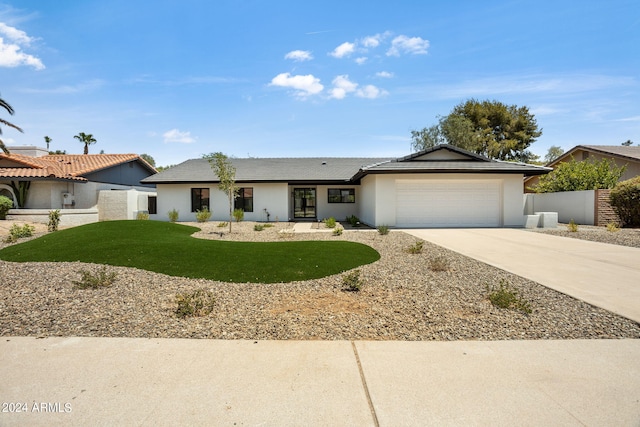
(168, 248)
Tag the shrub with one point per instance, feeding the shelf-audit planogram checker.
(258, 227)
(142, 216)
(353, 220)
(102, 279)
(383, 230)
(572, 226)
(173, 215)
(625, 200)
(351, 281)
(507, 297)
(196, 303)
(223, 224)
(439, 264)
(416, 248)
(54, 220)
(16, 232)
(330, 222)
(573, 175)
(613, 227)
(338, 231)
(238, 215)
(203, 215)
(5, 204)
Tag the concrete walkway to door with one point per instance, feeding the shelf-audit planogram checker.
(607, 276)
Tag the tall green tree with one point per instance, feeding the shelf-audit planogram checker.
(148, 159)
(553, 153)
(4, 104)
(47, 140)
(578, 176)
(489, 128)
(226, 173)
(87, 139)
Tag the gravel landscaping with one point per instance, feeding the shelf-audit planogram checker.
(402, 298)
(623, 236)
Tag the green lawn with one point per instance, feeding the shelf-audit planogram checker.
(168, 248)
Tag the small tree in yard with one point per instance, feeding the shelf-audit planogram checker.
(625, 199)
(226, 172)
(578, 176)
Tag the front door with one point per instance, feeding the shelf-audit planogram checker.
(304, 202)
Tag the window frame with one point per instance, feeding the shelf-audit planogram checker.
(152, 205)
(350, 197)
(199, 197)
(242, 200)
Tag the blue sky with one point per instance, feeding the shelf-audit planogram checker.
(177, 79)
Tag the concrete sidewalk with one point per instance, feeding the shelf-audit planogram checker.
(607, 276)
(165, 382)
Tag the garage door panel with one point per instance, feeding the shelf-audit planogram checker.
(448, 203)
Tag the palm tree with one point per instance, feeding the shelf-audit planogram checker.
(48, 141)
(4, 104)
(87, 139)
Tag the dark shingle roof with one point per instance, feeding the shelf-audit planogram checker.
(457, 166)
(343, 169)
(631, 152)
(329, 169)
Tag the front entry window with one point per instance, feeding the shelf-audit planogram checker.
(304, 203)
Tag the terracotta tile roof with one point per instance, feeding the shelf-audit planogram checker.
(62, 166)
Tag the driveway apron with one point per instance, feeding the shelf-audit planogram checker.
(604, 275)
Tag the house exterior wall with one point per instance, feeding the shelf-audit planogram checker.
(270, 196)
(46, 194)
(367, 200)
(337, 210)
(124, 174)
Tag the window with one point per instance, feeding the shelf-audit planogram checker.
(153, 205)
(342, 195)
(244, 200)
(199, 199)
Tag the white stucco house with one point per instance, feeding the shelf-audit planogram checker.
(444, 186)
(85, 187)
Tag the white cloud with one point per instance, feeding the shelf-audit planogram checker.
(175, 135)
(412, 45)
(11, 54)
(304, 85)
(342, 86)
(361, 60)
(345, 49)
(15, 35)
(299, 55)
(370, 92)
(371, 41)
(375, 40)
(384, 74)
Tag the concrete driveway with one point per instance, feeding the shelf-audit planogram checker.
(607, 276)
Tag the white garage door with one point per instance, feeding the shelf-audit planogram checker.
(448, 203)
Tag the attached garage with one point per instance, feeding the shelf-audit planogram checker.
(448, 203)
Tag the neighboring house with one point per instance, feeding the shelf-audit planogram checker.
(70, 181)
(622, 155)
(444, 186)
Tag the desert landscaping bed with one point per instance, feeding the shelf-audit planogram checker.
(623, 236)
(401, 299)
